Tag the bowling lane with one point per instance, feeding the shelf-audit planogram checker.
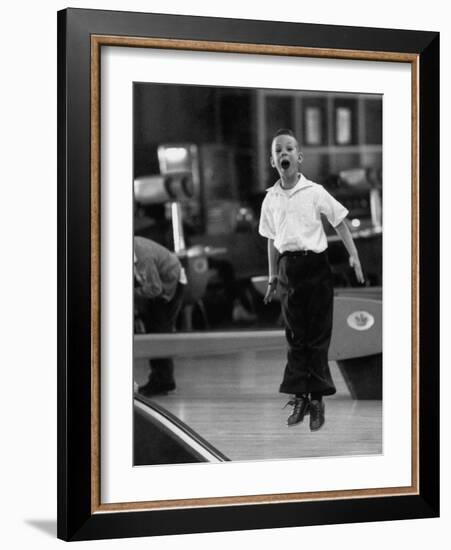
(232, 400)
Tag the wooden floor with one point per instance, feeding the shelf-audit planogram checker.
(233, 402)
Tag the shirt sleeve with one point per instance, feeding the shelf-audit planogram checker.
(266, 225)
(334, 211)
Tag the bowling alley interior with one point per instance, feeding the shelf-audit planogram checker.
(201, 170)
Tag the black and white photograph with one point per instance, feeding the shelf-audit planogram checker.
(257, 273)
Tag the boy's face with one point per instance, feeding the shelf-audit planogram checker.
(285, 155)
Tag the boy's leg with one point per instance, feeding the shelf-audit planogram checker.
(293, 301)
(295, 379)
(320, 307)
(319, 329)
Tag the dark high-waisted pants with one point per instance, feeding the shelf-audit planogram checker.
(307, 297)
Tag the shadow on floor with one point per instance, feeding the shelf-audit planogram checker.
(47, 526)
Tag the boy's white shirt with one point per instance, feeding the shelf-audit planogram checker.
(292, 217)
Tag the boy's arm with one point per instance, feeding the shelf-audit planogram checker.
(345, 235)
(272, 271)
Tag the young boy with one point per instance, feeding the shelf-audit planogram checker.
(298, 266)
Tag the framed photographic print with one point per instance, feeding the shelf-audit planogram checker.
(248, 274)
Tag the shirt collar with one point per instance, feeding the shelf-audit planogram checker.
(302, 183)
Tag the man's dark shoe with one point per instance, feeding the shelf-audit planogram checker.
(317, 418)
(300, 409)
(154, 388)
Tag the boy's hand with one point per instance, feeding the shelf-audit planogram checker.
(354, 262)
(270, 291)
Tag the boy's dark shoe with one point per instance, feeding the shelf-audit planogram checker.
(156, 388)
(316, 415)
(300, 409)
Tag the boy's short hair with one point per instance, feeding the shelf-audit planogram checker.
(283, 132)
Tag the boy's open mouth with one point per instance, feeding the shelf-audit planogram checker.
(285, 164)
